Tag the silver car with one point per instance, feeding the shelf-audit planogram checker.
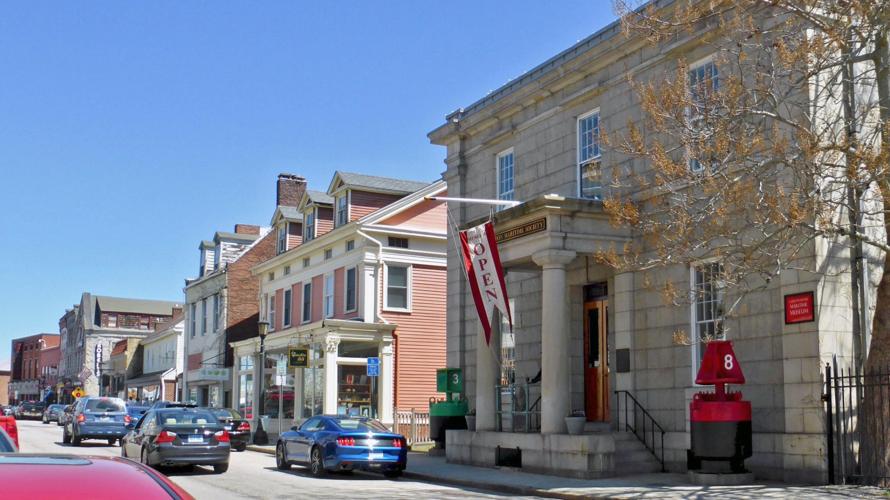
(96, 418)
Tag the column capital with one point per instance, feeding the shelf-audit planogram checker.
(331, 343)
(552, 258)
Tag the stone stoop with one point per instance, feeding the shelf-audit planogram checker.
(632, 456)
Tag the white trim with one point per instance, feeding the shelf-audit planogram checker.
(594, 111)
(346, 289)
(272, 311)
(410, 278)
(497, 176)
(325, 314)
(285, 320)
(693, 319)
(709, 59)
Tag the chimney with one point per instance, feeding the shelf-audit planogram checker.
(290, 189)
(246, 229)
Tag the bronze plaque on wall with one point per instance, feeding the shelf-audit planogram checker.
(531, 227)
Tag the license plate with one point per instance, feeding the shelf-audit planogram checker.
(228, 427)
(196, 438)
(105, 419)
(375, 456)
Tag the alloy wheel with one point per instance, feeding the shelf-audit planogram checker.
(280, 459)
(316, 465)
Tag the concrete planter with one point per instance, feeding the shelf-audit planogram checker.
(575, 425)
(471, 422)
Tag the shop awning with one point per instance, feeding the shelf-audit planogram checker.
(153, 378)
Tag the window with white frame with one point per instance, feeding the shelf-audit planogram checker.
(590, 183)
(287, 306)
(203, 316)
(307, 302)
(215, 312)
(286, 270)
(707, 307)
(351, 289)
(505, 176)
(397, 242)
(282, 238)
(271, 312)
(306, 262)
(343, 209)
(309, 226)
(397, 287)
(328, 295)
(350, 245)
(328, 253)
(703, 82)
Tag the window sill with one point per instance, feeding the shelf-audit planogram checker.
(396, 309)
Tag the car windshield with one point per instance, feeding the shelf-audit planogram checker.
(225, 413)
(180, 417)
(105, 404)
(361, 425)
(56, 407)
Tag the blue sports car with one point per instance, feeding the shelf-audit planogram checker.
(341, 443)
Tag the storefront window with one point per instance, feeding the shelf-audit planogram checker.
(313, 384)
(278, 390)
(193, 395)
(356, 391)
(215, 396)
(353, 349)
(245, 397)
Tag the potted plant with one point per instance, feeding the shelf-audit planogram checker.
(575, 422)
(471, 420)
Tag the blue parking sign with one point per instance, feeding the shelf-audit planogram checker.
(373, 367)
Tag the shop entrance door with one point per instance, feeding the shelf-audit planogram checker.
(596, 359)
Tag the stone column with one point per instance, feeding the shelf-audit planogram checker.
(487, 372)
(555, 341)
(386, 381)
(332, 343)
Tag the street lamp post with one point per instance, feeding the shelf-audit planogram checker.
(260, 437)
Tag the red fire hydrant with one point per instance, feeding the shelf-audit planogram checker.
(720, 422)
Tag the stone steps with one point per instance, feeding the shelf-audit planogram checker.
(632, 456)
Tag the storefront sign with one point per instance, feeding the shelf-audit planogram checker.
(298, 358)
(485, 274)
(535, 226)
(800, 308)
(214, 374)
(97, 369)
(373, 367)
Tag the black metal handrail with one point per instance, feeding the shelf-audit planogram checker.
(645, 435)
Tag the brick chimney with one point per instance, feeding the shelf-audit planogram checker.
(246, 229)
(290, 189)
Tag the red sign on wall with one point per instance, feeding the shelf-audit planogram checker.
(800, 308)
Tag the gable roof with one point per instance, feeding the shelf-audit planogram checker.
(374, 183)
(315, 197)
(288, 213)
(225, 235)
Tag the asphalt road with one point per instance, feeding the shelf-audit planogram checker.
(253, 475)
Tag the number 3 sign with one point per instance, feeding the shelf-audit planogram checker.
(719, 365)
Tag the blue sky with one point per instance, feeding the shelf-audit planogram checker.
(130, 131)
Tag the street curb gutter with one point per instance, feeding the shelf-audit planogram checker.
(481, 485)
(501, 488)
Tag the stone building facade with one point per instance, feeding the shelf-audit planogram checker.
(585, 331)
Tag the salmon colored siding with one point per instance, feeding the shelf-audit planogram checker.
(362, 203)
(339, 284)
(325, 221)
(294, 235)
(317, 297)
(425, 216)
(296, 294)
(279, 309)
(420, 343)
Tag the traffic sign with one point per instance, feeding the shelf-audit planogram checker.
(373, 367)
(78, 393)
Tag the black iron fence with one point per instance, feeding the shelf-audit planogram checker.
(857, 412)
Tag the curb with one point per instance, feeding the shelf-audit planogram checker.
(481, 485)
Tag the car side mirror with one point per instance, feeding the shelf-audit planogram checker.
(295, 428)
(130, 426)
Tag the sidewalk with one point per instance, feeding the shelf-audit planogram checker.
(504, 480)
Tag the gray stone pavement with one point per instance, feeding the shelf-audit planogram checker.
(668, 486)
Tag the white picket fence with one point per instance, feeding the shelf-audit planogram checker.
(414, 425)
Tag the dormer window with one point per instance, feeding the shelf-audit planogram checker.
(309, 226)
(282, 238)
(342, 209)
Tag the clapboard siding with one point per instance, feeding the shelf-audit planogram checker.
(325, 221)
(362, 203)
(294, 234)
(425, 216)
(420, 344)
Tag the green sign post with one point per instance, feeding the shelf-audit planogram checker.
(297, 358)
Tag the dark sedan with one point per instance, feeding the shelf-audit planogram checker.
(178, 436)
(30, 410)
(236, 425)
(52, 413)
(340, 443)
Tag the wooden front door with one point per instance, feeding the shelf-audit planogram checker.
(596, 360)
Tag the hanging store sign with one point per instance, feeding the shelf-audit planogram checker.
(800, 308)
(532, 227)
(485, 274)
(298, 358)
(97, 368)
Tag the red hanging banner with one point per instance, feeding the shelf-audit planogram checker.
(485, 274)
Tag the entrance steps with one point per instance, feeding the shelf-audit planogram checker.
(632, 456)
